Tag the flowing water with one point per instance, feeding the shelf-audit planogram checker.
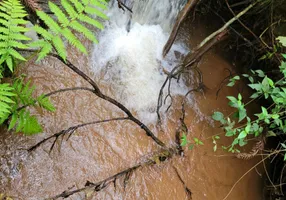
(127, 65)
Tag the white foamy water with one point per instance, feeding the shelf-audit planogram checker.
(131, 57)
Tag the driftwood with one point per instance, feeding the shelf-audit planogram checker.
(181, 16)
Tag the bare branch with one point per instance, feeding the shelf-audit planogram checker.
(70, 131)
(98, 93)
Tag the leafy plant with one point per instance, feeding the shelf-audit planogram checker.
(270, 121)
(185, 142)
(21, 119)
(71, 17)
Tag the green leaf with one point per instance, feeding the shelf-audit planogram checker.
(242, 135)
(215, 148)
(46, 103)
(184, 140)
(217, 116)
(282, 40)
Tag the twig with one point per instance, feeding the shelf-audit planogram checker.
(227, 24)
(98, 93)
(248, 172)
(122, 6)
(70, 131)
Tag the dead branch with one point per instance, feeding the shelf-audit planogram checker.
(152, 160)
(98, 93)
(226, 25)
(181, 16)
(70, 131)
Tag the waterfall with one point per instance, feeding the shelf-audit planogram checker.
(130, 53)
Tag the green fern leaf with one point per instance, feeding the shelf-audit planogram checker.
(94, 11)
(15, 54)
(26, 123)
(59, 14)
(89, 20)
(9, 62)
(79, 7)
(96, 3)
(85, 31)
(60, 47)
(46, 103)
(13, 121)
(46, 49)
(55, 28)
(43, 32)
(73, 40)
(69, 9)
(12, 31)
(6, 94)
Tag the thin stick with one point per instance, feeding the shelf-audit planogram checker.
(248, 172)
(227, 24)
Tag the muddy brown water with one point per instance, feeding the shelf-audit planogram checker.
(96, 152)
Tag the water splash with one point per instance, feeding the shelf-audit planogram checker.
(132, 59)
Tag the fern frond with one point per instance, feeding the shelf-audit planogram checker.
(53, 26)
(25, 123)
(21, 118)
(6, 94)
(73, 40)
(44, 102)
(46, 49)
(94, 11)
(60, 47)
(102, 5)
(59, 14)
(85, 31)
(89, 20)
(12, 31)
(79, 7)
(69, 9)
(68, 18)
(47, 35)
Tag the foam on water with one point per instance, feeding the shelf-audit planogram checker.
(133, 63)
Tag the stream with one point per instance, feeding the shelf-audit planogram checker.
(127, 64)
